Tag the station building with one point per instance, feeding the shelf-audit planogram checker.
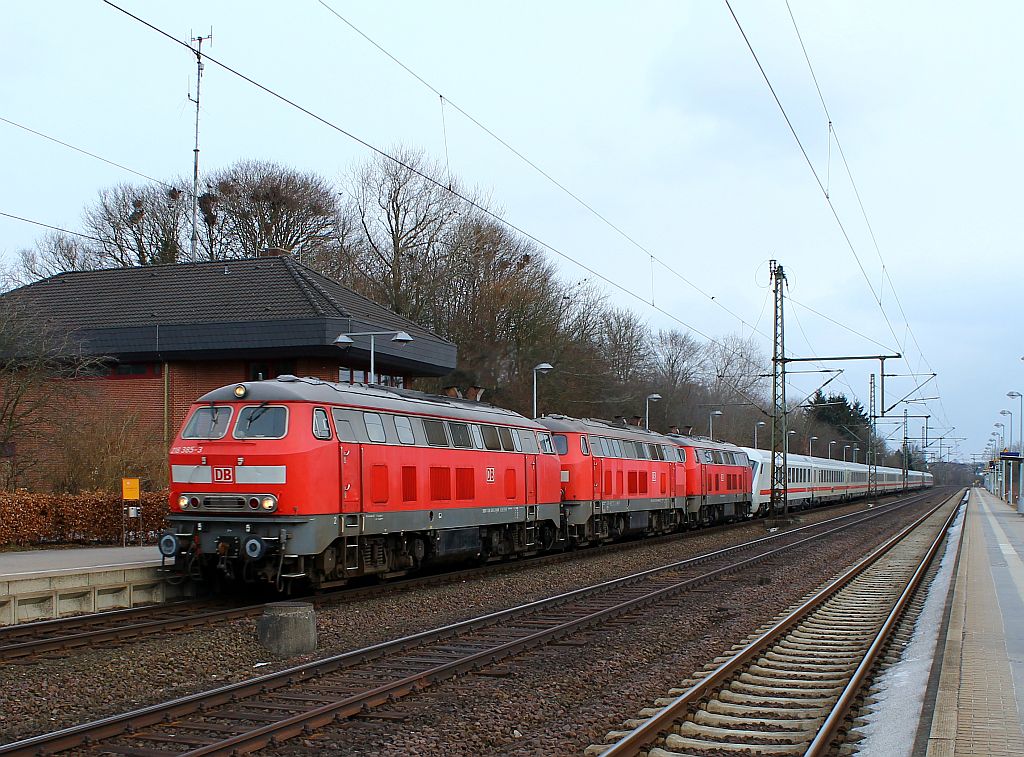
(164, 335)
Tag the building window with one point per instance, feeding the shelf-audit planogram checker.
(265, 370)
(135, 370)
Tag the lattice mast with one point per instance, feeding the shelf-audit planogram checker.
(780, 479)
(872, 452)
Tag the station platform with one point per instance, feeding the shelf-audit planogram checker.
(52, 583)
(979, 699)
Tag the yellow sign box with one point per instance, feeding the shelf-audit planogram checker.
(130, 489)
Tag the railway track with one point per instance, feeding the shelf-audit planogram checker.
(249, 715)
(26, 641)
(789, 690)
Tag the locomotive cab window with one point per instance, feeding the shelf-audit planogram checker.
(529, 441)
(561, 443)
(545, 444)
(321, 424)
(343, 426)
(584, 447)
(374, 427)
(262, 422)
(210, 422)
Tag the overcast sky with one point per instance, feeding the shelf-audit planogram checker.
(654, 113)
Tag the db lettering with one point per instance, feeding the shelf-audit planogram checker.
(223, 475)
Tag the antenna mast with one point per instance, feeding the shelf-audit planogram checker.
(198, 50)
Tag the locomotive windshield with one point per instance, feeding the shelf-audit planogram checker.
(261, 422)
(210, 422)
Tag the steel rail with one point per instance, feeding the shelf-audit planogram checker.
(133, 721)
(86, 636)
(835, 719)
(641, 737)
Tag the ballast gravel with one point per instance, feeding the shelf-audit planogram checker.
(555, 700)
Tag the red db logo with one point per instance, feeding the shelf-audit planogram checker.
(223, 475)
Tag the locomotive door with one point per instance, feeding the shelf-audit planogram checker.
(530, 462)
(598, 477)
(351, 477)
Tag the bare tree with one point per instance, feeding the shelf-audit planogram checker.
(35, 363)
(55, 253)
(137, 225)
(253, 205)
(406, 223)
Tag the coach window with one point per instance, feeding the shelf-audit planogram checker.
(209, 422)
(460, 435)
(403, 426)
(491, 440)
(584, 447)
(321, 424)
(436, 436)
(505, 434)
(374, 427)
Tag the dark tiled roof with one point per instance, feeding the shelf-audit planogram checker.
(269, 303)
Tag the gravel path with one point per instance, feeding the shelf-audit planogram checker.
(579, 689)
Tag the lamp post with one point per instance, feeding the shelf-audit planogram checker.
(830, 448)
(756, 426)
(400, 338)
(845, 447)
(647, 409)
(1020, 441)
(540, 368)
(1009, 464)
(789, 436)
(855, 448)
(810, 445)
(711, 422)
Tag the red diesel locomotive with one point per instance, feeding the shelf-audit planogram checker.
(304, 480)
(301, 481)
(719, 484)
(615, 479)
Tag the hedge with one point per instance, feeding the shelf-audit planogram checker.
(30, 519)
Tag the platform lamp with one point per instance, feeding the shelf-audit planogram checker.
(1020, 443)
(1009, 464)
(855, 448)
(789, 436)
(400, 338)
(810, 445)
(845, 447)
(647, 408)
(711, 423)
(756, 426)
(830, 448)
(540, 368)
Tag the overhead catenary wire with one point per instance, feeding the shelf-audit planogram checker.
(532, 164)
(426, 177)
(860, 202)
(50, 226)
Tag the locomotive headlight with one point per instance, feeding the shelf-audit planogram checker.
(241, 391)
(268, 503)
(183, 501)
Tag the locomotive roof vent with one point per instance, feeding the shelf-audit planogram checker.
(287, 378)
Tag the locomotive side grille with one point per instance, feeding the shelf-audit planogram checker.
(224, 503)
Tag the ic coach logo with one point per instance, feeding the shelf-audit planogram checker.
(223, 475)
